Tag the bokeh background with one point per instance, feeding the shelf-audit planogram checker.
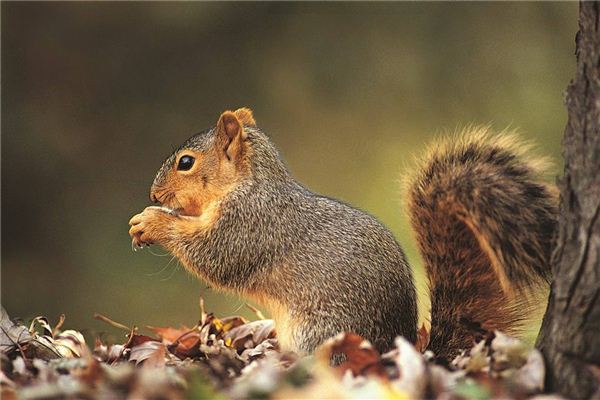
(96, 95)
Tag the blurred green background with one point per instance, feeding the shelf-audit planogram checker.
(95, 96)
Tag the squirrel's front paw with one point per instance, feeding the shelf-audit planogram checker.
(149, 226)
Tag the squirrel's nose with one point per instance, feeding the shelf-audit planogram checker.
(153, 197)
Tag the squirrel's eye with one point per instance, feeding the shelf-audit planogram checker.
(185, 163)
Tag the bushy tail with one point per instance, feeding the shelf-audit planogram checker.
(485, 226)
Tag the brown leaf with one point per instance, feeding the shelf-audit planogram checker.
(188, 345)
(8, 393)
(137, 340)
(422, 339)
(91, 372)
(148, 350)
(183, 342)
(360, 357)
(169, 335)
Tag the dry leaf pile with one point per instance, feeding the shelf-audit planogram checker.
(234, 358)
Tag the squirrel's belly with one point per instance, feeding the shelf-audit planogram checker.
(285, 328)
(284, 324)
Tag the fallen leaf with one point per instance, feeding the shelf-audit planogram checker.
(187, 345)
(43, 323)
(169, 335)
(422, 339)
(12, 336)
(530, 377)
(70, 343)
(356, 354)
(147, 350)
(251, 334)
(136, 340)
(411, 366)
(508, 352)
(230, 323)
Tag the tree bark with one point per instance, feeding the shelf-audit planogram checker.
(570, 335)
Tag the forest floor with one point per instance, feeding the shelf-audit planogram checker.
(231, 357)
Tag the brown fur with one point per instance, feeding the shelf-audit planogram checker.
(484, 224)
(188, 191)
(319, 266)
(239, 220)
(245, 116)
(279, 311)
(196, 205)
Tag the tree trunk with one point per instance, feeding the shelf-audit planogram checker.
(570, 335)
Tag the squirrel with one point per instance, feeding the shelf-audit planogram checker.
(231, 212)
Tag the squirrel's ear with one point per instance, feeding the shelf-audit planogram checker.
(245, 116)
(231, 134)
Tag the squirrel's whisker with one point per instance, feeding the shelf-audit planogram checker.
(175, 268)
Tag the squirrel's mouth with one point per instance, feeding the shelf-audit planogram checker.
(168, 203)
(173, 211)
(171, 205)
(178, 212)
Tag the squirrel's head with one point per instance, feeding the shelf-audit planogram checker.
(207, 166)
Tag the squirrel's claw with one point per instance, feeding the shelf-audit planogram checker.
(135, 244)
(145, 226)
